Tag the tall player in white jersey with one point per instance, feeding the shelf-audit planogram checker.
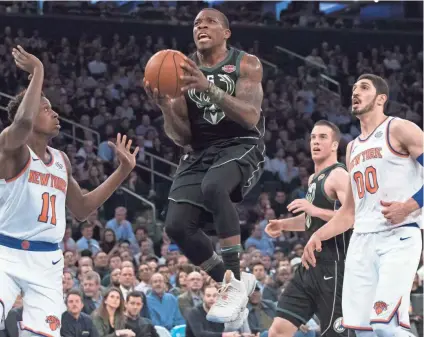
(35, 184)
(385, 165)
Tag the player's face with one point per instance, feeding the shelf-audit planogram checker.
(364, 97)
(47, 120)
(208, 30)
(322, 143)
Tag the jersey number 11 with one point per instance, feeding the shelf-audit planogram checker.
(49, 201)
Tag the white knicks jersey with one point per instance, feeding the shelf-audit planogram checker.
(379, 173)
(32, 205)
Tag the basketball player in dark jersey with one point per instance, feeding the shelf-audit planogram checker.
(219, 116)
(317, 290)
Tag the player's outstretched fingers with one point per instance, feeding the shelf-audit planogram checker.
(129, 145)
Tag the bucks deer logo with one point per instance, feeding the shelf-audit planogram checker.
(211, 112)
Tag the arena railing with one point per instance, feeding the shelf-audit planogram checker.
(326, 83)
(76, 139)
(74, 126)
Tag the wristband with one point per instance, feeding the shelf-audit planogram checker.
(418, 197)
(215, 94)
(420, 159)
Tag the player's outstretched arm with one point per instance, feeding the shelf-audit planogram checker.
(82, 205)
(294, 224)
(175, 114)
(16, 135)
(245, 107)
(405, 137)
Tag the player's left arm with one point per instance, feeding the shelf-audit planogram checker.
(82, 205)
(410, 139)
(245, 107)
(337, 184)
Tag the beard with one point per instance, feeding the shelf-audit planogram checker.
(366, 109)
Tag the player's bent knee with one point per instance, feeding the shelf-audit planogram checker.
(282, 328)
(174, 229)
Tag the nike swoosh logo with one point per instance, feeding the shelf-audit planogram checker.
(56, 262)
(328, 278)
(402, 239)
(35, 159)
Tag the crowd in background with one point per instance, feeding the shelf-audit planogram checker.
(120, 260)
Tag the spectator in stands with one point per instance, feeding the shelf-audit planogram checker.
(69, 260)
(13, 319)
(121, 226)
(144, 274)
(68, 243)
(198, 325)
(74, 322)
(67, 281)
(258, 269)
(127, 280)
(163, 307)
(261, 312)
(193, 295)
(87, 241)
(141, 326)
(115, 262)
(92, 292)
(260, 240)
(101, 264)
(109, 240)
(273, 290)
(109, 318)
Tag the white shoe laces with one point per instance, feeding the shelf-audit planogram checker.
(226, 294)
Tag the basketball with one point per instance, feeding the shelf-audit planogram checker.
(163, 72)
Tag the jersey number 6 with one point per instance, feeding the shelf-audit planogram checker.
(366, 182)
(48, 200)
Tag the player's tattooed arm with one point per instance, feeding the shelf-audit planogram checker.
(245, 107)
(16, 135)
(82, 205)
(176, 122)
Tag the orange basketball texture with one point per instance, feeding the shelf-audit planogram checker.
(163, 72)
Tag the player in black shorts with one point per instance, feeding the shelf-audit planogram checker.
(317, 290)
(219, 116)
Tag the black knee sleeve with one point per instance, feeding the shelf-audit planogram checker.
(182, 226)
(217, 198)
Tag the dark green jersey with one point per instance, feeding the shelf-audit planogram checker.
(209, 125)
(334, 249)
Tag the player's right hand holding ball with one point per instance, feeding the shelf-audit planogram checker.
(308, 257)
(25, 60)
(163, 102)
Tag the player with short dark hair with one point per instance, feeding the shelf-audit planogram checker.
(384, 204)
(316, 291)
(219, 115)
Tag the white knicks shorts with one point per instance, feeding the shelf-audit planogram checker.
(379, 271)
(38, 274)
